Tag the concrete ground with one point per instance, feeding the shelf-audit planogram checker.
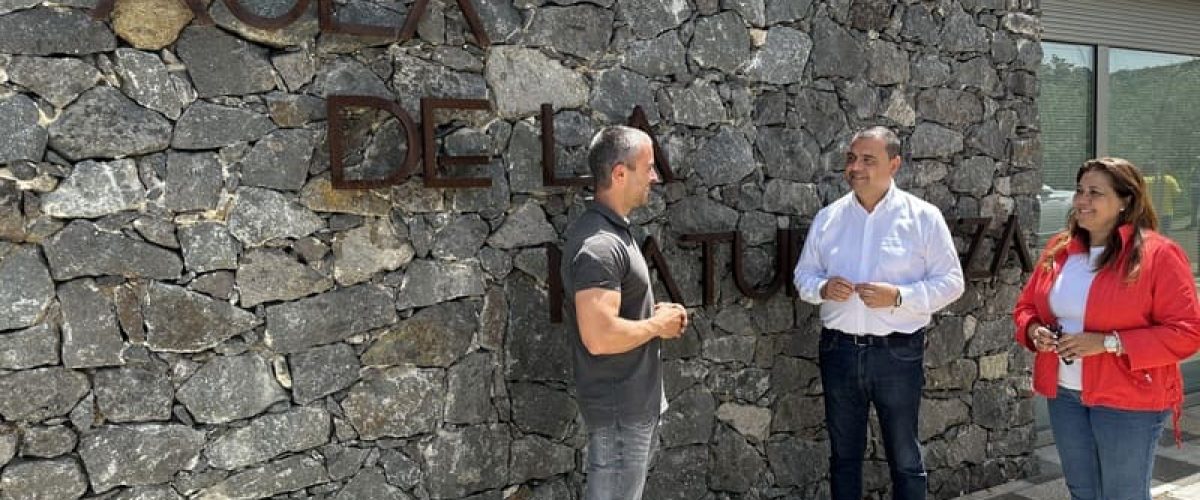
(1176, 470)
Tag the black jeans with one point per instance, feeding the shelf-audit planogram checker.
(857, 372)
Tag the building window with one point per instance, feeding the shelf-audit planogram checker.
(1138, 105)
(1153, 109)
(1067, 107)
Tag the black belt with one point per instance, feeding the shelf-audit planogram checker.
(867, 339)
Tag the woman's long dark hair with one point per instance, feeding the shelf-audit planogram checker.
(1127, 181)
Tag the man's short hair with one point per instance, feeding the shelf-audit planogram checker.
(890, 140)
(612, 145)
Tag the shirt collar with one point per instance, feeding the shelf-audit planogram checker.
(609, 214)
(883, 202)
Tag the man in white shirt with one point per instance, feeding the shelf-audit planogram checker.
(879, 261)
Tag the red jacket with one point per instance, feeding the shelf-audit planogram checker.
(1156, 316)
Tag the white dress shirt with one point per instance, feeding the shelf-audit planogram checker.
(904, 242)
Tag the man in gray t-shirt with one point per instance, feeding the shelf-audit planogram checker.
(614, 324)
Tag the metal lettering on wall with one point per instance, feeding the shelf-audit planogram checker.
(425, 141)
(421, 146)
(337, 144)
(1009, 240)
(788, 243)
(637, 119)
(432, 177)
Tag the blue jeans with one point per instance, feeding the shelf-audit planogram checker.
(618, 458)
(888, 373)
(1107, 454)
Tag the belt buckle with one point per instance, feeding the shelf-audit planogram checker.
(861, 340)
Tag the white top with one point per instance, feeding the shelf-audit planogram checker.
(904, 242)
(1068, 301)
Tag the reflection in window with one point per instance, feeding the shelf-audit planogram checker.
(1066, 106)
(1154, 111)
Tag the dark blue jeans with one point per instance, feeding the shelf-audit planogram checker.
(618, 457)
(888, 373)
(1106, 453)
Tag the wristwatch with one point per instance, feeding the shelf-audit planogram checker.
(1112, 343)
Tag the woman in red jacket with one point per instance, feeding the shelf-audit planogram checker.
(1110, 310)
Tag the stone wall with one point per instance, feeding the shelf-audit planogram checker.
(188, 309)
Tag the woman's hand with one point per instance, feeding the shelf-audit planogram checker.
(1081, 345)
(1043, 339)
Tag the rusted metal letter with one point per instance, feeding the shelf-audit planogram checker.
(980, 225)
(793, 239)
(335, 104)
(639, 121)
(549, 162)
(267, 23)
(470, 14)
(653, 254)
(708, 243)
(554, 282)
(739, 267)
(428, 106)
(1010, 238)
(650, 251)
(329, 23)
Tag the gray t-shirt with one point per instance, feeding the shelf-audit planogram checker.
(600, 252)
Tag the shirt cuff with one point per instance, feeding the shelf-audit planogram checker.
(816, 297)
(906, 296)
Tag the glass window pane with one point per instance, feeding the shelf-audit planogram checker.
(1153, 111)
(1066, 106)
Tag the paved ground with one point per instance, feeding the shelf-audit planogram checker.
(1176, 470)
